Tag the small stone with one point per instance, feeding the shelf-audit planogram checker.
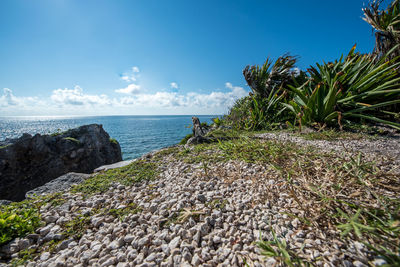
(129, 238)
(64, 244)
(379, 262)
(45, 256)
(359, 264)
(217, 239)
(202, 198)
(143, 241)
(165, 248)
(50, 219)
(115, 245)
(23, 244)
(45, 230)
(151, 257)
(153, 208)
(86, 256)
(174, 243)
(109, 261)
(196, 260)
(97, 221)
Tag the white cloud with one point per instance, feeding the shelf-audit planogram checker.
(65, 102)
(77, 97)
(131, 76)
(8, 99)
(189, 100)
(174, 85)
(130, 89)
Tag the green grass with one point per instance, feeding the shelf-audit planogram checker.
(114, 141)
(333, 135)
(131, 208)
(342, 192)
(76, 141)
(23, 257)
(21, 218)
(1, 147)
(185, 139)
(279, 250)
(217, 204)
(77, 227)
(135, 172)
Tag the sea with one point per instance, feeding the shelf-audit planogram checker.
(137, 135)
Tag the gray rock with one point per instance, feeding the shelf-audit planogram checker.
(45, 230)
(23, 244)
(32, 161)
(196, 260)
(109, 261)
(116, 244)
(59, 184)
(143, 241)
(174, 243)
(217, 239)
(202, 198)
(199, 133)
(45, 256)
(129, 238)
(113, 166)
(50, 218)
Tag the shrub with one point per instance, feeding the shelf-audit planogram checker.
(17, 219)
(263, 108)
(351, 88)
(269, 77)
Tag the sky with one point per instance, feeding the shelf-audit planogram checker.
(164, 57)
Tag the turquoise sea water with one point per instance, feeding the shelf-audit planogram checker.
(137, 135)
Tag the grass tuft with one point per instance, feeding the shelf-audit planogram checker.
(113, 141)
(135, 172)
(76, 141)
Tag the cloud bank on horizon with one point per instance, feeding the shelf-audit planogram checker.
(131, 100)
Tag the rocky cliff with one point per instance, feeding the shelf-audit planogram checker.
(31, 161)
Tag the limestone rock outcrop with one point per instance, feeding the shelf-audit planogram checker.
(32, 161)
(199, 133)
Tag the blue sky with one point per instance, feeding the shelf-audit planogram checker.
(127, 57)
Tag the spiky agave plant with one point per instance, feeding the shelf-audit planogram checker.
(351, 88)
(386, 24)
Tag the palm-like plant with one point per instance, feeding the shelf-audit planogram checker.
(270, 76)
(386, 24)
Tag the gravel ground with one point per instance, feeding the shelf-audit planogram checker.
(194, 217)
(388, 147)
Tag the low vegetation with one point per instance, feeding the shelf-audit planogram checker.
(345, 192)
(74, 140)
(17, 220)
(114, 141)
(21, 218)
(356, 88)
(135, 172)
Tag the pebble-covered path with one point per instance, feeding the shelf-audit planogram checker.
(191, 215)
